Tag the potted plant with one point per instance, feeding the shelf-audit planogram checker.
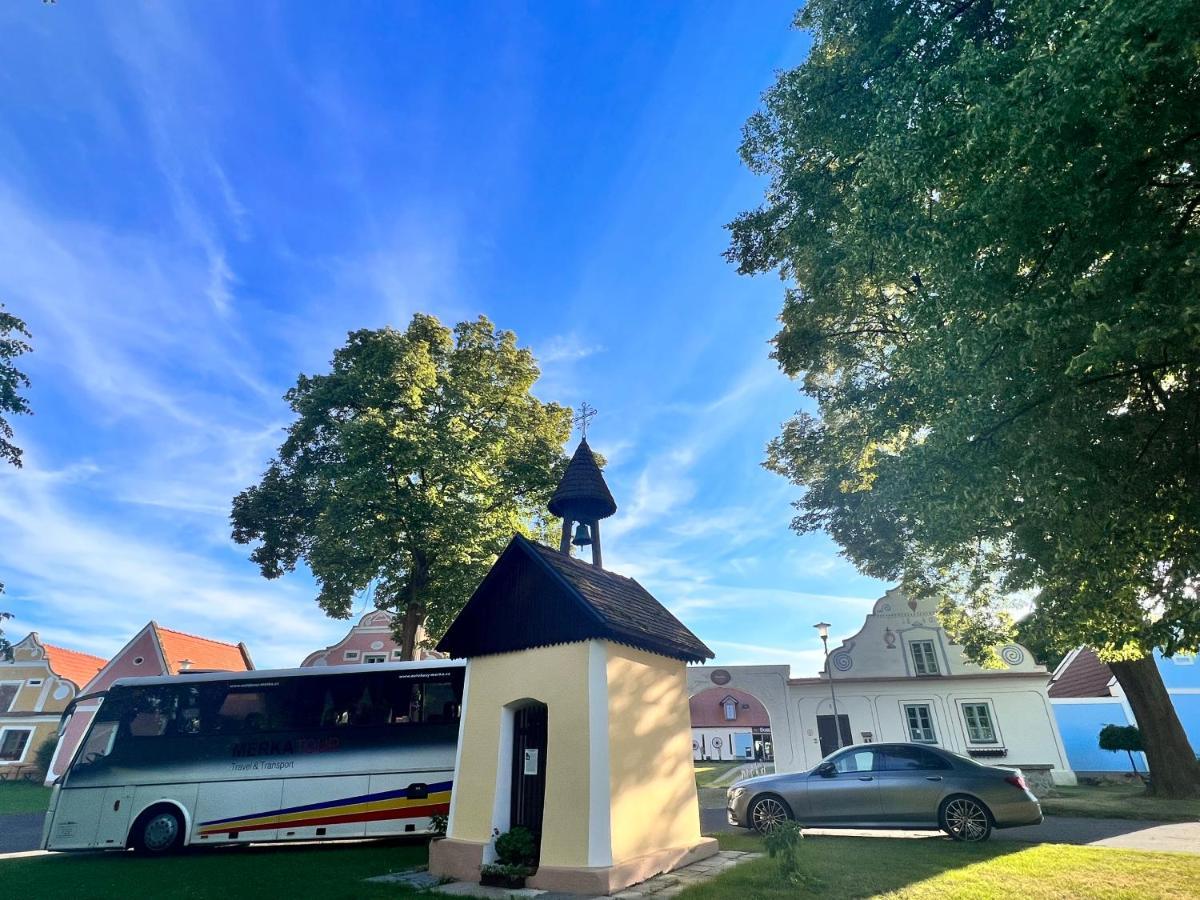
(516, 855)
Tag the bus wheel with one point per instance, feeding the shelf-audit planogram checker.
(159, 831)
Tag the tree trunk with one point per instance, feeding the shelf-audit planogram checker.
(414, 610)
(1174, 771)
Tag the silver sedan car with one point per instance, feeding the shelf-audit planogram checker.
(889, 786)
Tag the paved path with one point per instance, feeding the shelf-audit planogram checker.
(20, 831)
(1126, 834)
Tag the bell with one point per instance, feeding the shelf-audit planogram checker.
(583, 535)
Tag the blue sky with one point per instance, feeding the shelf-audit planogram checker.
(200, 200)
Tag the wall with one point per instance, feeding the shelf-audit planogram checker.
(728, 749)
(1079, 722)
(1022, 711)
(36, 707)
(652, 785)
(558, 677)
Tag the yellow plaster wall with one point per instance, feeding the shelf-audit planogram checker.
(558, 677)
(654, 804)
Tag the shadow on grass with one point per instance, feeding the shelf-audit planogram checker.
(326, 869)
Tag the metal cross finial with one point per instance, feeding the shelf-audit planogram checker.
(586, 414)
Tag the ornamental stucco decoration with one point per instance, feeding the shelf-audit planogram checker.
(889, 638)
(720, 676)
(1012, 655)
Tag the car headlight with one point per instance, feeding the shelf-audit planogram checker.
(735, 792)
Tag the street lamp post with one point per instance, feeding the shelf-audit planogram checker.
(823, 631)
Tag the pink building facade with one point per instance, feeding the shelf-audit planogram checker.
(370, 641)
(152, 651)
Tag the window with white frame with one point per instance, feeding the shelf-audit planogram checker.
(981, 726)
(13, 742)
(351, 654)
(397, 654)
(8, 693)
(920, 723)
(924, 660)
(374, 657)
(730, 709)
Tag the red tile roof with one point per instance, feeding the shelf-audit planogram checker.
(1083, 676)
(72, 665)
(708, 709)
(204, 654)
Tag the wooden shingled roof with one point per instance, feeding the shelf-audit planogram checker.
(582, 493)
(535, 596)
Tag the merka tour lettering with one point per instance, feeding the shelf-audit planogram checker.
(286, 747)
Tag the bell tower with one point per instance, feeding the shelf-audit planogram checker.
(582, 499)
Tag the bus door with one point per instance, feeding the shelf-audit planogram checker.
(112, 826)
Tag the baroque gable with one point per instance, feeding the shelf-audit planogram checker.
(902, 638)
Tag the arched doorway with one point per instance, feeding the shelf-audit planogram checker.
(730, 725)
(528, 792)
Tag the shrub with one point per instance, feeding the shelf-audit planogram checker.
(437, 824)
(516, 847)
(43, 756)
(783, 843)
(1116, 738)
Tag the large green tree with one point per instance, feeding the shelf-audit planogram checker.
(13, 343)
(986, 215)
(407, 468)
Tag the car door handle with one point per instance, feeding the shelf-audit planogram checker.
(933, 777)
(866, 777)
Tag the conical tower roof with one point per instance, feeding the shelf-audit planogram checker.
(582, 493)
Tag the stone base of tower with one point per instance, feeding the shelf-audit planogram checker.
(450, 858)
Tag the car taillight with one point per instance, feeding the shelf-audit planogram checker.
(1017, 781)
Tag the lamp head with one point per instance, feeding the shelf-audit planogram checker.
(822, 630)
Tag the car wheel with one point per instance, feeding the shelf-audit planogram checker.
(768, 812)
(965, 819)
(158, 832)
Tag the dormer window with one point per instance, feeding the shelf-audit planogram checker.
(924, 659)
(730, 705)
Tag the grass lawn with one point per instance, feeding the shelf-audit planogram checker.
(1117, 801)
(330, 871)
(23, 797)
(708, 772)
(939, 868)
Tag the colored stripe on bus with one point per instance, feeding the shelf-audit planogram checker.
(412, 812)
(400, 794)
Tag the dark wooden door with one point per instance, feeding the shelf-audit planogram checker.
(529, 769)
(827, 735)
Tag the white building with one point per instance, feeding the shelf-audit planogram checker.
(901, 679)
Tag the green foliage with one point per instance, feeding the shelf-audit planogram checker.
(516, 847)
(783, 843)
(12, 381)
(45, 755)
(513, 871)
(1121, 737)
(1115, 738)
(438, 823)
(407, 469)
(987, 214)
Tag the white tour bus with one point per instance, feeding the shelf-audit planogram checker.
(292, 754)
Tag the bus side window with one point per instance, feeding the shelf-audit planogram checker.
(440, 704)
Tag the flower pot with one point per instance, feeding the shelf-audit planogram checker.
(501, 880)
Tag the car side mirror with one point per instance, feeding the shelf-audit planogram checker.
(826, 770)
